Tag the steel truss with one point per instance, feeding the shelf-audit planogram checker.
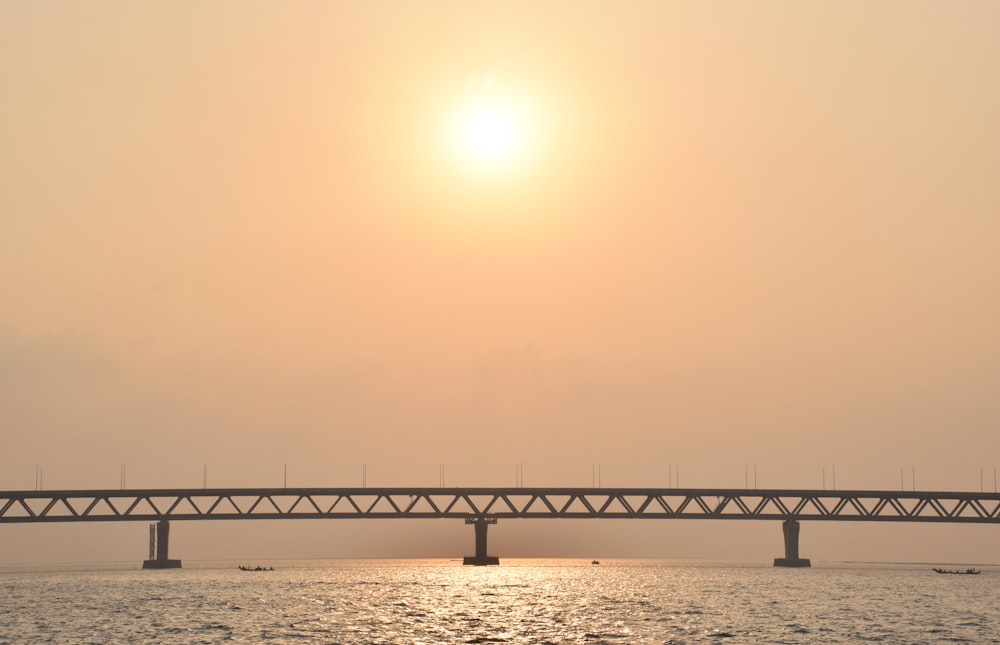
(550, 503)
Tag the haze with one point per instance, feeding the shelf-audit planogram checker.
(743, 237)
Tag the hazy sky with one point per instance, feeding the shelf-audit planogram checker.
(696, 236)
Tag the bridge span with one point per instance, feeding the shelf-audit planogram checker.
(484, 506)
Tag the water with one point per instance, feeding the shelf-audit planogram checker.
(521, 601)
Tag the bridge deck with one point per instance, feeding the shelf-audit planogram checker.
(542, 503)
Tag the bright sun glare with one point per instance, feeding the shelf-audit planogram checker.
(487, 131)
(491, 128)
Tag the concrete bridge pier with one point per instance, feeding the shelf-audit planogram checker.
(159, 544)
(480, 559)
(790, 529)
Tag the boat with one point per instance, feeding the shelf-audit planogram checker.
(958, 572)
(257, 568)
(595, 562)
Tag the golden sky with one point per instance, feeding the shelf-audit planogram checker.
(249, 234)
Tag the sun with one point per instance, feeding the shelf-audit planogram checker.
(489, 132)
(491, 128)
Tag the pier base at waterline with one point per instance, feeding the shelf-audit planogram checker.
(790, 529)
(481, 559)
(159, 545)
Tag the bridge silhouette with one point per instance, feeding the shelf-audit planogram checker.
(481, 507)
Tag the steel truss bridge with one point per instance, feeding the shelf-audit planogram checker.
(458, 503)
(482, 506)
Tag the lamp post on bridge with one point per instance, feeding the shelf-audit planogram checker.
(913, 478)
(981, 488)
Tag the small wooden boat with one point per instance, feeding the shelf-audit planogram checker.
(257, 568)
(958, 572)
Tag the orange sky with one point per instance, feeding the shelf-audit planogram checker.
(238, 234)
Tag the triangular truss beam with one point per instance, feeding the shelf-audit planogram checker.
(595, 503)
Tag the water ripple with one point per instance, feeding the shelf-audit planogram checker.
(429, 602)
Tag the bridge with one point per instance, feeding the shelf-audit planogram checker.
(481, 507)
